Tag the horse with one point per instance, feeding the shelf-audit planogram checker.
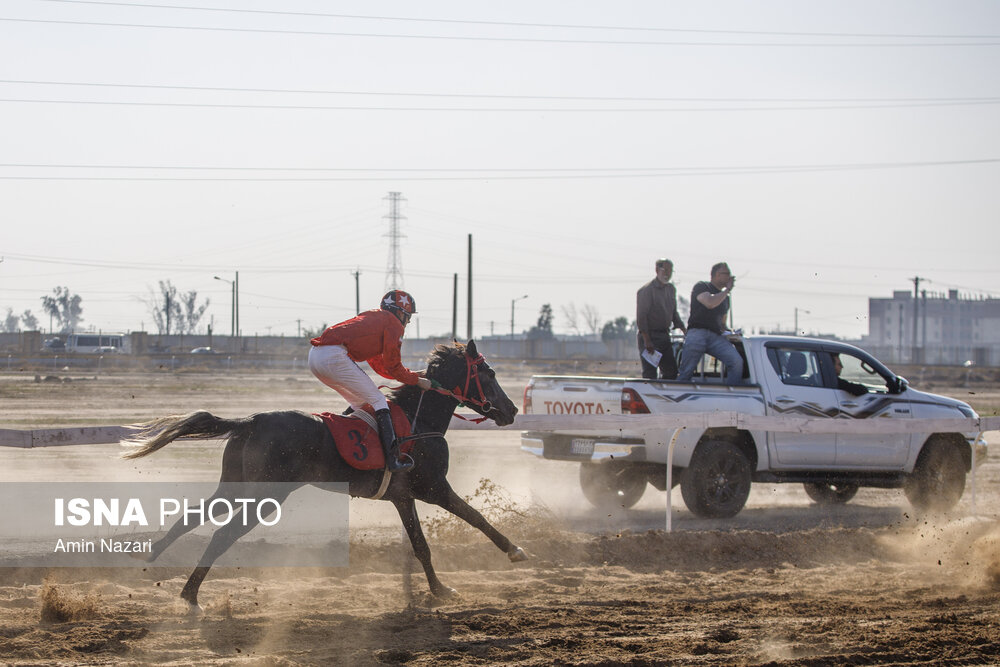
(298, 448)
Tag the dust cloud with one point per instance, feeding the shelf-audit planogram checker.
(786, 582)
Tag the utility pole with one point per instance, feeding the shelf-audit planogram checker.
(357, 291)
(916, 307)
(797, 319)
(923, 314)
(470, 289)
(454, 307)
(166, 310)
(394, 268)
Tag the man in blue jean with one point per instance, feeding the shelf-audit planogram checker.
(709, 305)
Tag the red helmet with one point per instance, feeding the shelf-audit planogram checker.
(400, 301)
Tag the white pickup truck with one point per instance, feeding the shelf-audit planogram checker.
(716, 466)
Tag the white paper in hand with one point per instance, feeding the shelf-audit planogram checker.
(653, 358)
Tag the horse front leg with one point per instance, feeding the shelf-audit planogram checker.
(411, 522)
(451, 501)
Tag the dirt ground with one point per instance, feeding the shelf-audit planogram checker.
(786, 582)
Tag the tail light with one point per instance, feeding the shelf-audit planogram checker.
(632, 403)
(526, 401)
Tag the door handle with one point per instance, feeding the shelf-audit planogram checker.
(849, 404)
(784, 399)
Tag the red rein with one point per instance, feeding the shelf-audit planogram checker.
(471, 372)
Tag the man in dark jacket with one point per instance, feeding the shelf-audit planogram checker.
(655, 314)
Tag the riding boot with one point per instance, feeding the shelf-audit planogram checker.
(390, 446)
(348, 411)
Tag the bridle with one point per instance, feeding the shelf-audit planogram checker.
(461, 394)
(472, 367)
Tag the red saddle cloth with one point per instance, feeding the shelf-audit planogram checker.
(358, 443)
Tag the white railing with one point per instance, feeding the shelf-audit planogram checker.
(782, 423)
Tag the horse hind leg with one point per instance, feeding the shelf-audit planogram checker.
(232, 471)
(222, 539)
(182, 526)
(411, 522)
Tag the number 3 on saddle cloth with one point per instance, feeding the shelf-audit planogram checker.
(358, 443)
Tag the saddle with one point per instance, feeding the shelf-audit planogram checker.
(357, 438)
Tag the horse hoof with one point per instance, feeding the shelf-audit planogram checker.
(517, 555)
(195, 610)
(445, 593)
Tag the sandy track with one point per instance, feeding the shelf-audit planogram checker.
(785, 583)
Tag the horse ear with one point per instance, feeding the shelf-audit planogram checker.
(470, 349)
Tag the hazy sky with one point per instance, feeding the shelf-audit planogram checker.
(829, 151)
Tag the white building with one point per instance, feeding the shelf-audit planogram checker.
(935, 329)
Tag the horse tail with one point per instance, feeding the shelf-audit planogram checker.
(159, 433)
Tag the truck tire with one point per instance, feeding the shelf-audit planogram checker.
(830, 494)
(938, 479)
(717, 482)
(611, 485)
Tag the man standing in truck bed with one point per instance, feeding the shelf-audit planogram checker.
(655, 314)
(709, 305)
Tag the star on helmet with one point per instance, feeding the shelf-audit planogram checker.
(387, 301)
(404, 300)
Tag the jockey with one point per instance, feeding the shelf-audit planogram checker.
(373, 336)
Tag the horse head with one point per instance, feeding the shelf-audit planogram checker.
(464, 372)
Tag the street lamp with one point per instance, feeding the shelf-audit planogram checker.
(232, 307)
(512, 302)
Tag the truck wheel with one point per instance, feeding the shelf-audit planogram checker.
(830, 494)
(938, 480)
(611, 485)
(717, 482)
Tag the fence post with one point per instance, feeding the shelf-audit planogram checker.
(670, 477)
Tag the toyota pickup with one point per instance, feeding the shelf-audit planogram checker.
(715, 467)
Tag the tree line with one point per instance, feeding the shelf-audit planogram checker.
(586, 320)
(173, 311)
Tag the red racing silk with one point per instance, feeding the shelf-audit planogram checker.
(374, 336)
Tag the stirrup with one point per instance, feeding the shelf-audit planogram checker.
(397, 465)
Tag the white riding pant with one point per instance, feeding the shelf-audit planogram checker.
(334, 368)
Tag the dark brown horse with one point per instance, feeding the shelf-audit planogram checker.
(295, 447)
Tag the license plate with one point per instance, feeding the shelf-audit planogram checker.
(581, 446)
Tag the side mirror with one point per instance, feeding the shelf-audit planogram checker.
(898, 385)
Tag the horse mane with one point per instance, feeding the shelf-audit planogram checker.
(438, 360)
(442, 354)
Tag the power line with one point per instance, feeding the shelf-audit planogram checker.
(518, 24)
(463, 38)
(567, 98)
(478, 174)
(556, 109)
(727, 168)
